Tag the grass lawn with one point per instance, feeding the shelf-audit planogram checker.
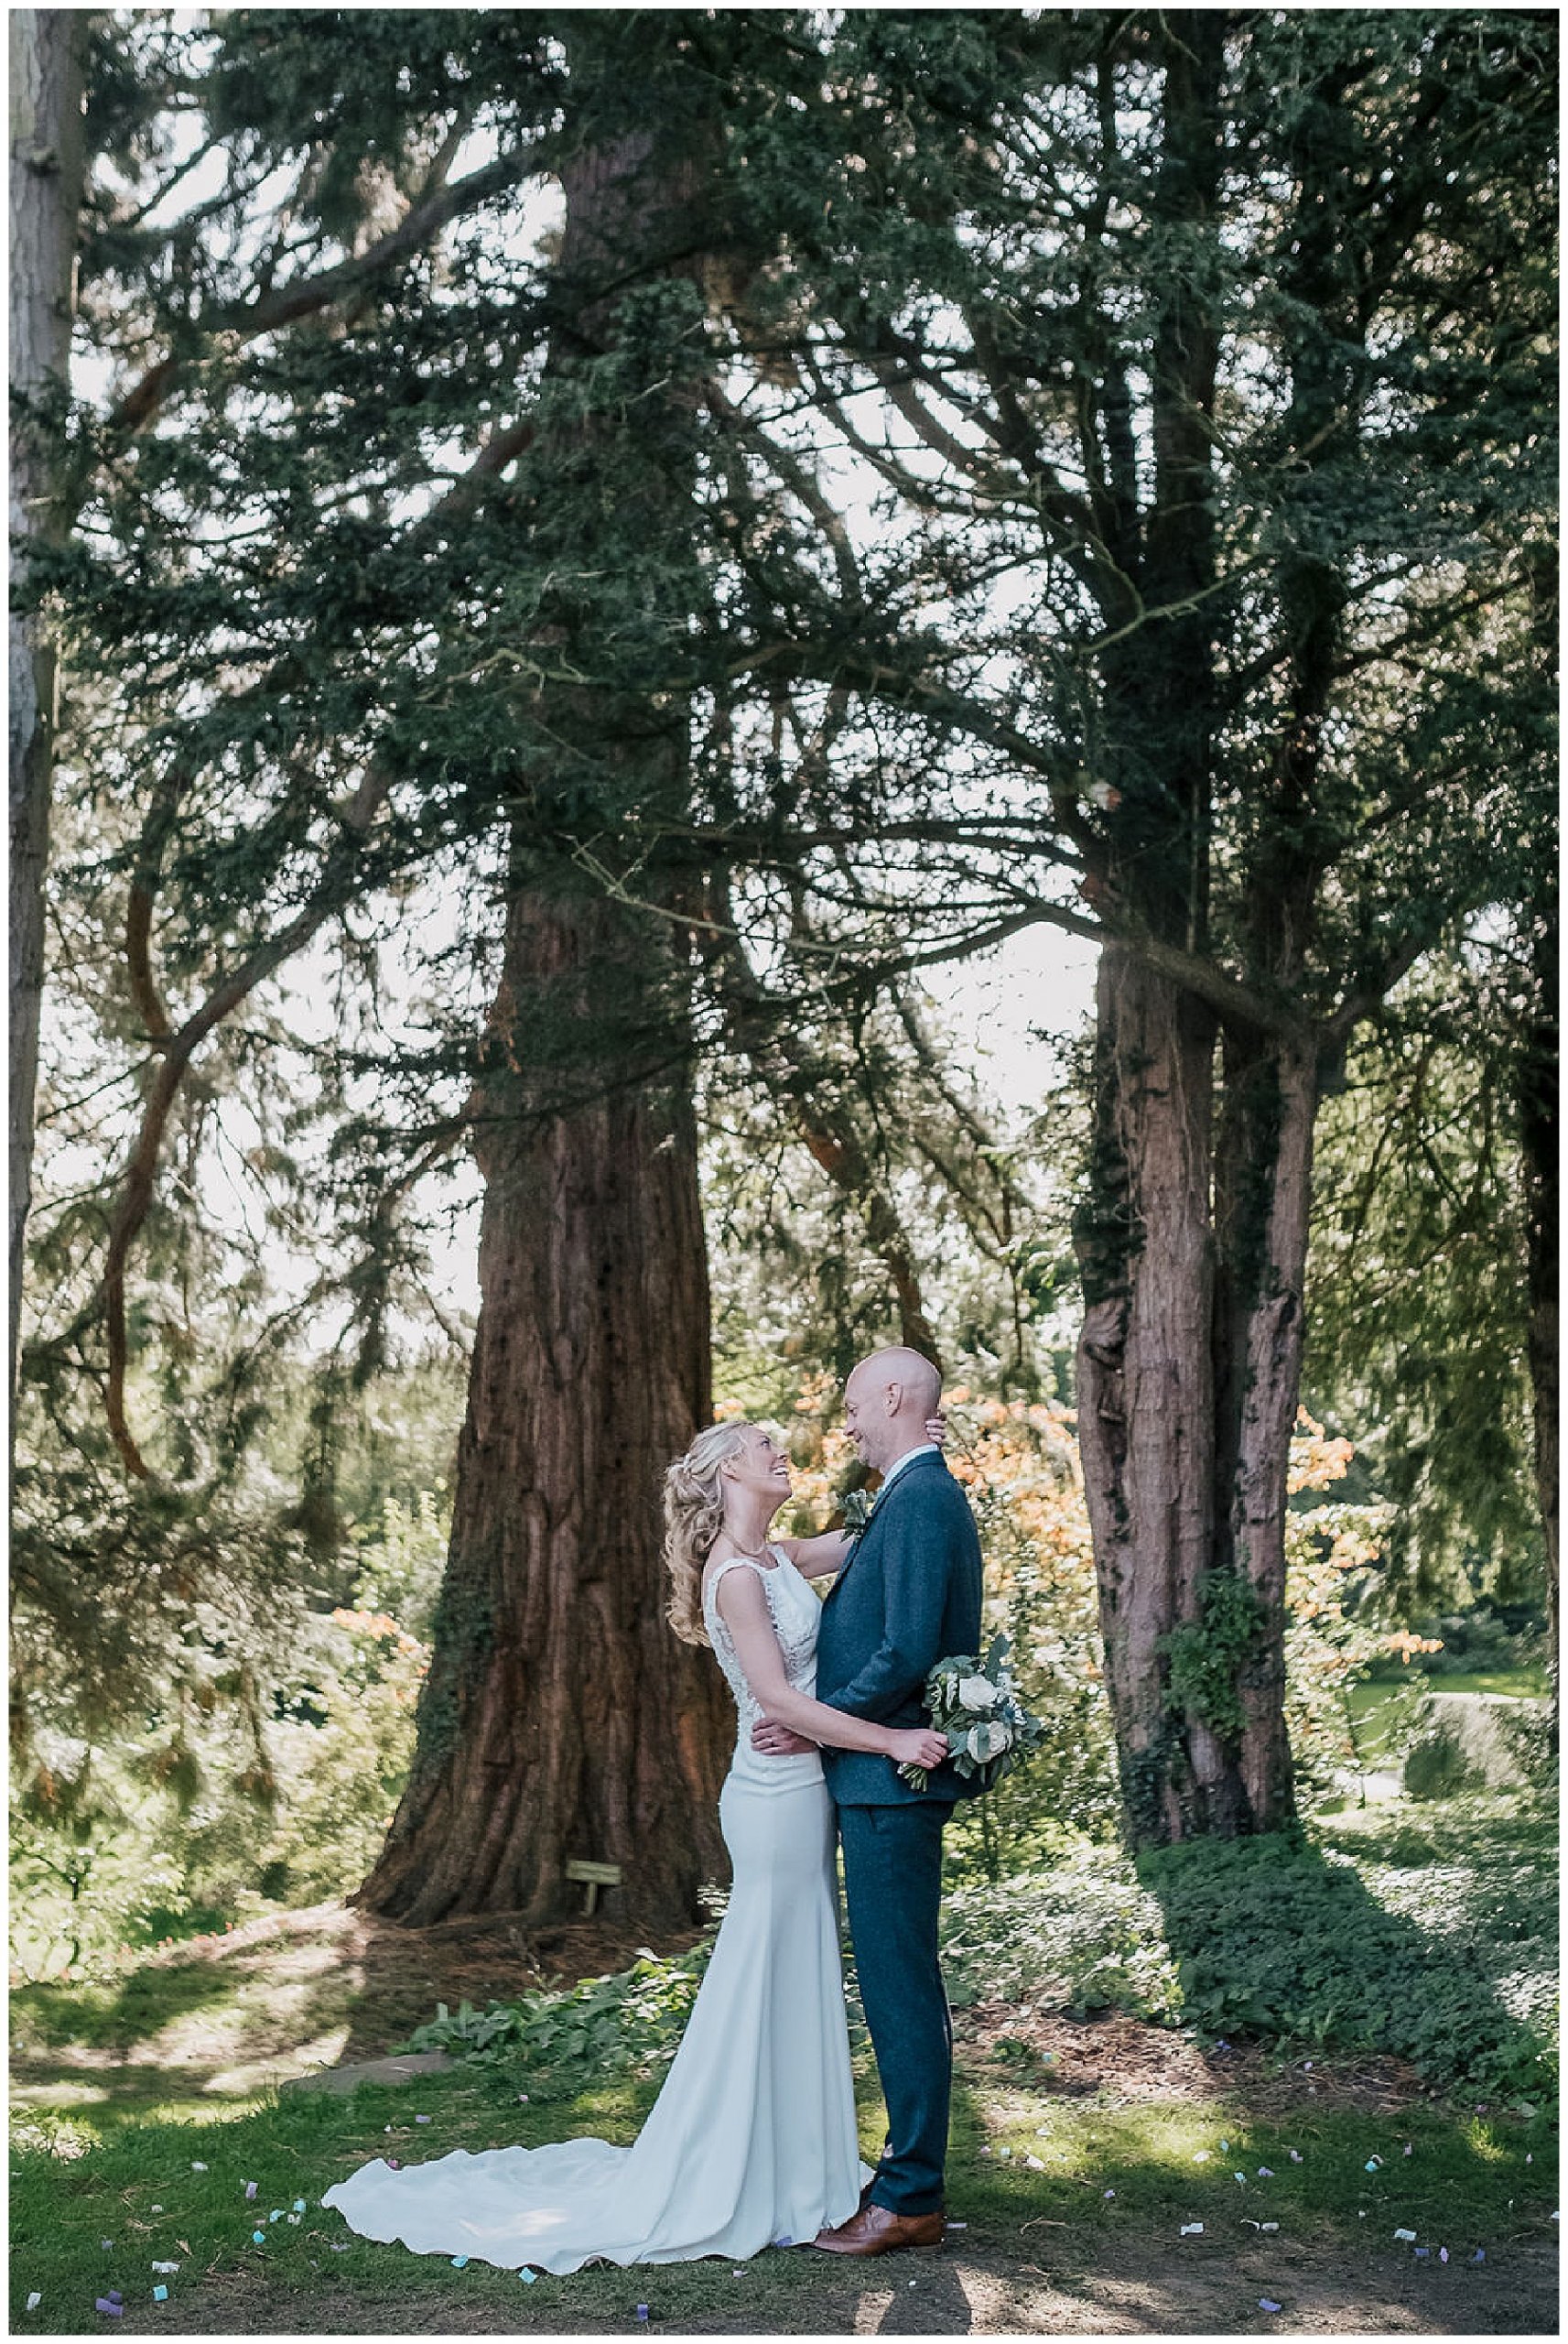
(1037, 2235)
(145, 2101)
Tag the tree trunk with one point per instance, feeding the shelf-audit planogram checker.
(561, 1718)
(46, 47)
(1262, 1209)
(1145, 1399)
(1539, 1129)
(1191, 1241)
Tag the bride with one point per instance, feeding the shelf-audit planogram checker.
(752, 2141)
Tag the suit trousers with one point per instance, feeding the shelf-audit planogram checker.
(893, 1883)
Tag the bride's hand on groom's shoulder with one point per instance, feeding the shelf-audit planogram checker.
(937, 1427)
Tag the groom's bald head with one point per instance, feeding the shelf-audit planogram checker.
(886, 1402)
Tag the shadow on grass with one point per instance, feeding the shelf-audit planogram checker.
(114, 2015)
(1278, 1936)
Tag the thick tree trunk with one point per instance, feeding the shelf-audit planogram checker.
(46, 48)
(1145, 1399)
(1192, 1241)
(561, 1718)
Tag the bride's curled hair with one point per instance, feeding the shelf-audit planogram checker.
(694, 1513)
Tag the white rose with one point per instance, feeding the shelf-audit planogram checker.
(977, 1693)
(987, 1742)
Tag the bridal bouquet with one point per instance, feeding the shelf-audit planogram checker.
(988, 1728)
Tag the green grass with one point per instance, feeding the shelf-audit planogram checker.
(1465, 2184)
(1521, 1684)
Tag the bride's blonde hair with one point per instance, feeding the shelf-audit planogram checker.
(694, 1515)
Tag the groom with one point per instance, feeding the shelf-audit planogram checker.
(908, 1596)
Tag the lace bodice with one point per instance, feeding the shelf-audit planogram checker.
(796, 1614)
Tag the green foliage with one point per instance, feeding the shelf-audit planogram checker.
(1208, 1654)
(141, 1839)
(1417, 1303)
(1084, 1936)
(625, 2023)
(1437, 1943)
(1452, 1965)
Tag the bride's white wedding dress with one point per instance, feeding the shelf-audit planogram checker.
(752, 2139)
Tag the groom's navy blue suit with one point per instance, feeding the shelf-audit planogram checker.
(909, 1595)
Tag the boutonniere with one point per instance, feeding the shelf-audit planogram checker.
(856, 1506)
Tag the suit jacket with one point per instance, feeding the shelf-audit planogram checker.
(908, 1596)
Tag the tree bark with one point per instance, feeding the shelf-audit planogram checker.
(1538, 1140)
(561, 1718)
(1192, 1239)
(46, 51)
(1145, 1398)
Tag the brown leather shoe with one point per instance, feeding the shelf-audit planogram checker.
(875, 2231)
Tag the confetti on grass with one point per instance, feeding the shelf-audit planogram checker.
(1267, 2302)
(34, 2300)
(160, 2295)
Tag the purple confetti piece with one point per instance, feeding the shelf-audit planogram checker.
(107, 2244)
(1443, 2254)
(1423, 2254)
(393, 2165)
(643, 2311)
(421, 2119)
(115, 2297)
(1295, 2156)
(1479, 2256)
(785, 2241)
(250, 2190)
(1265, 2173)
(341, 2247)
(1267, 2302)
(116, 2311)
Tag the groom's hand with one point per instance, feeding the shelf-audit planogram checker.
(779, 1741)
